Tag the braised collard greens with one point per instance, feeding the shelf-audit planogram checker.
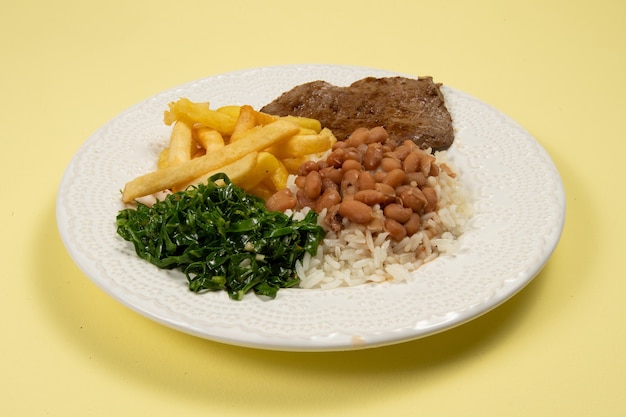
(222, 239)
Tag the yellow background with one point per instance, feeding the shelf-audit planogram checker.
(555, 349)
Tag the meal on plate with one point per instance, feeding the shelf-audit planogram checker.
(323, 187)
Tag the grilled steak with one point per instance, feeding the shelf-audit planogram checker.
(407, 108)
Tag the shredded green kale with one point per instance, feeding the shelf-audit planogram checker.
(222, 238)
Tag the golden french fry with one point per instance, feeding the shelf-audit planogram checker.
(209, 138)
(293, 164)
(231, 110)
(266, 164)
(245, 122)
(300, 145)
(181, 144)
(305, 122)
(279, 176)
(264, 118)
(200, 151)
(185, 109)
(331, 136)
(163, 158)
(259, 139)
(235, 171)
(307, 131)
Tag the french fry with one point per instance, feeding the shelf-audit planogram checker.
(300, 145)
(200, 151)
(266, 165)
(167, 178)
(163, 158)
(235, 171)
(250, 171)
(249, 119)
(181, 144)
(209, 138)
(305, 122)
(279, 176)
(264, 118)
(245, 122)
(184, 109)
(293, 164)
(256, 150)
(331, 136)
(231, 110)
(307, 131)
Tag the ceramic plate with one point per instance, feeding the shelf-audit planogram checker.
(519, 207)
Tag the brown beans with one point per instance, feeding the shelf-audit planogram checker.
(396, 230)
(412, 162)
(368, 179)
(353, 153)
(431, 198)
(307, 167)
(328, 184)
(373, 156)
(434, 170)
(333, 220)
(336, 157)
(332, 173)
(313, 185)
(413, 225)
(397, 212)
(416, 179)
(349, 182)
(413, 198)
(378, 134)
(426, 163)
(281, 201)
(300, 181)
(410, 145)
(329, 198)
(379, 176)
(389, 164)
(356, 211)
(304, 200)
(402, 151)
(358, 137)
(394, 178)
(349, 164)
(389, 146)
(388, 191)
(370, 197)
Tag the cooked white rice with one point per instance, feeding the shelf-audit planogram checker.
(355, 256)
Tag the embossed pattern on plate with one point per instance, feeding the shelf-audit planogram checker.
(519, 214)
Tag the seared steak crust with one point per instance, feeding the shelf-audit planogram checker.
(407, 108)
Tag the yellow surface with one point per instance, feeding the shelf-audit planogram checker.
(555, 349)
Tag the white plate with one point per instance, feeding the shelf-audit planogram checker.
(519, 215)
